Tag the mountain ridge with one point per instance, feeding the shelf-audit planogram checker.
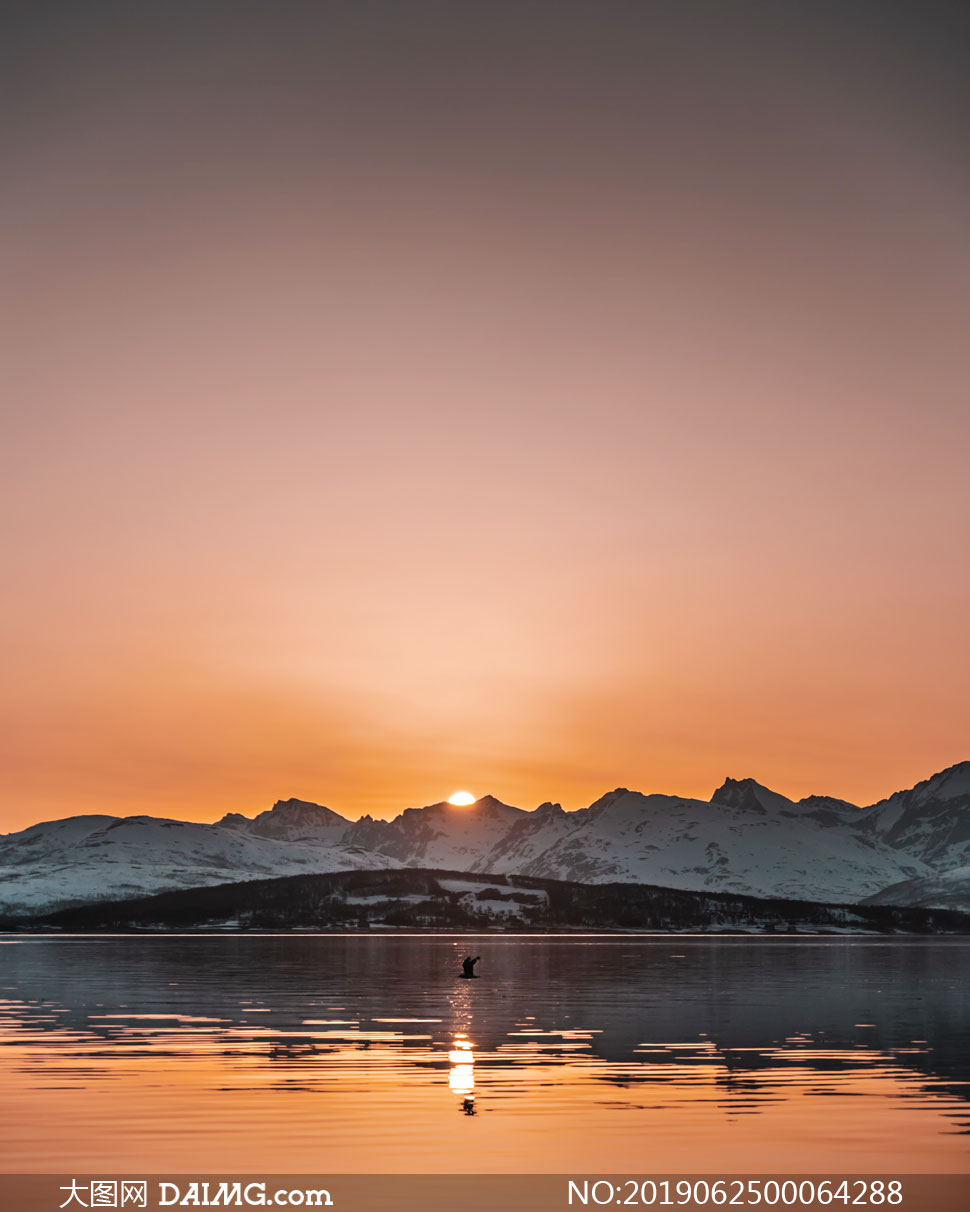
(747, 840)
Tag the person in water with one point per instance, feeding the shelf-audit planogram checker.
(468, 966)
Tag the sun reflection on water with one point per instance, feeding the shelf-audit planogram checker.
(461, 1076)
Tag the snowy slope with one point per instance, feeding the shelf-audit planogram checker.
(944, 890)
(97, 857)
(528, 839)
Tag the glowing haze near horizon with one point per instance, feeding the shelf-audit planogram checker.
(533, 398)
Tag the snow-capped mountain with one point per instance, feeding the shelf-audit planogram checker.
(913, 848)
(760, 844)
(87, 858)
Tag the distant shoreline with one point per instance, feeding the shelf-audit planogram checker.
(420, 901)
(417, 932)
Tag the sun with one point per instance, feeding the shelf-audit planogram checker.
(461, 799)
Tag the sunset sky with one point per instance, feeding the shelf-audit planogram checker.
(532, 398)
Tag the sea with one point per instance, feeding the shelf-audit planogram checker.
(369, 1052)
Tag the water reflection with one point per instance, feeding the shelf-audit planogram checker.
(461, 1076)
(232, 1047)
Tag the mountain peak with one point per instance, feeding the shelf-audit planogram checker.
(548, 808)
(599, 806)
(948, 784)
(287, 819)
(750, 796)
(293, 804)
(301, 812)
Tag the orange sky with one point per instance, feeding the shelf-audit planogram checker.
(531, 405)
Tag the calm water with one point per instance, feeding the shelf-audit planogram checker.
(341, 1054)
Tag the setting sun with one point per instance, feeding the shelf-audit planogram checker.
(461, 799)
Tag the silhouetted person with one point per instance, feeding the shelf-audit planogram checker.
(468, 966)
